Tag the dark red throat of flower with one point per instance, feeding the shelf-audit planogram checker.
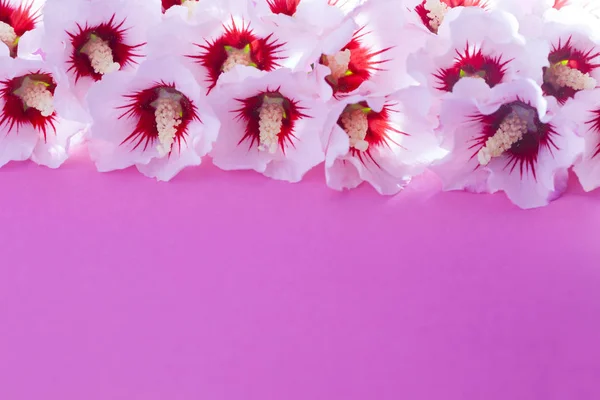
(166, 4)
(361, 67)
(114, 34)
(237, 45)
(423, 12)
(141, 108)
(472, 63)
(378, 128)
(558, 4)
(569, 56)
(524, 153)
(250, 113)
(21, 18)
(15, 112)
(287, 7)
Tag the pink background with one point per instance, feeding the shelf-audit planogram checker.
(230, 286)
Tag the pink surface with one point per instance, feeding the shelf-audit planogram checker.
(229, 286)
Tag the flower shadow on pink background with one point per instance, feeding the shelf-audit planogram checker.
(229, 286)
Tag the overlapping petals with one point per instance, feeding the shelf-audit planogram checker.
(155, 118)
(35, 120)
(492, 95)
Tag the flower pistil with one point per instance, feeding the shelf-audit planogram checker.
(511, 130)
(561, 75)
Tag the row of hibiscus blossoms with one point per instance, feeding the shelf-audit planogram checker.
(498, 95)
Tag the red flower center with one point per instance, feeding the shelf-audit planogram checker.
(101, 49)
(569, 71)
(14, 22)
(352, 65)
(270, 120)
(558, 4)
(28, 100)
(166, 4)
(367, 129)
(237, 46)
(472, 63)
(162, 115)
(287, 7)
(516, 132)
(432, 12)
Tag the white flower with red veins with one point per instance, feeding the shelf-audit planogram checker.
(155, 118)
(292, 7)
(478, 44)
(504, 139)
(373, 59)
(237, 42)
(384, 141)
(91, 39)
(584, 114)
(32, 109)
(303, 25)
(214, 40)
(20, 27)
(573, 62)
(431, 14)
(270, 124)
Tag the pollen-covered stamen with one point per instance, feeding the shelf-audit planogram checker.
(338, 63)
(368, 130)
(28, 100)
(161, 115)
(35, 94)
(237, 45)
(237, 57)
(517, 135)
(100, 49)
(562, 75)
(433, 12)
(16, 19)
(436, 11)
(8, 36)
(168, 116)
(100, 55)
(510, 131)
(354, 64)
(356, 124)
(570, 70)
(271, 115)
(269, 120)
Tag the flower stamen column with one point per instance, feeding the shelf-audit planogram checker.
(511, 130)
(100, 55)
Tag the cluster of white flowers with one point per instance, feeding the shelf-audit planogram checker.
(412, 84)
